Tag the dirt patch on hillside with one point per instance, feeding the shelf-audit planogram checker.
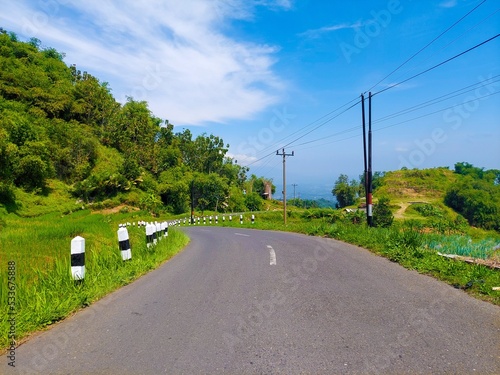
(114, 210)
(400, 212)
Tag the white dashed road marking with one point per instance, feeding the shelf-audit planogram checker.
(272, 255)
(241, 234)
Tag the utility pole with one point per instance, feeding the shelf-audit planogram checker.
(367, 157)
(192, 202)
(294, 185)
(369, 206)
(284, 180)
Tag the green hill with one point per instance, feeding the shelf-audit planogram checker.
(65, 142)
(467, 192)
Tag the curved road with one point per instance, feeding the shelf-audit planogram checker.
(241, 301)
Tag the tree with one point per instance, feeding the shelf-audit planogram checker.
(236, 201)
(345, 192)
(382, 215)
(477, 200)
(377, 181)
(253, 201)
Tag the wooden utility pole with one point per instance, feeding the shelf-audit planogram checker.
(284, 180)
(294, 186)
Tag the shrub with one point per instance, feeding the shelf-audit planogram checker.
(382, 215)
(253, 202)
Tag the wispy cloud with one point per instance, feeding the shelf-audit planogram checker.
(170, 53)
(448, 4)
(316, 33)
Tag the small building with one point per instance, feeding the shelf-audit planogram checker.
(268, 190)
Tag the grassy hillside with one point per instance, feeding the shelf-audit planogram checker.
(417, 184)
(467, 194)
(408, 189)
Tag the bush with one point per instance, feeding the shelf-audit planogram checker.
(32, 173)
(382, 215)
(478, 201)
(7, 195)
(426, 209)
(253, 202)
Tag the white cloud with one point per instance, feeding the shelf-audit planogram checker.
(171, 53)
(316, 33)
(243, 159)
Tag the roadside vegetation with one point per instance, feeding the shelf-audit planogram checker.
(40, 247)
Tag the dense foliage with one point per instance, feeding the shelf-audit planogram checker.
(57, 122)
(345, 192)
(382, 214)
(476, 196)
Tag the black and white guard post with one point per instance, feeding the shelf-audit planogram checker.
(216, 219)
(241, 219)
(78, 258)
(159, 232)
(149, 235)
(165, 231)
(155, 233)
(124, 244)
(253, 219)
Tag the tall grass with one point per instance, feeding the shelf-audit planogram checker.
(40, 247)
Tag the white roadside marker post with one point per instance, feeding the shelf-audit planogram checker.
(78, 258)
(124, 244)
(155, 235)
(149, 235)
(158, 231)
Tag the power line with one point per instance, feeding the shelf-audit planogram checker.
(457, 38)
(439, 99)
(438, 65)
(427, 45)
(440, 110)
(327, 121)
(310, 131)
(423, 105)
(400, 123)
(273, 146)
(356, 101)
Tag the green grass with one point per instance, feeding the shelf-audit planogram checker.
(40, 246)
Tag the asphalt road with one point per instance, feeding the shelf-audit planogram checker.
(241, 301)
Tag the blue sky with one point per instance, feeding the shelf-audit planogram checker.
(266, 74)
